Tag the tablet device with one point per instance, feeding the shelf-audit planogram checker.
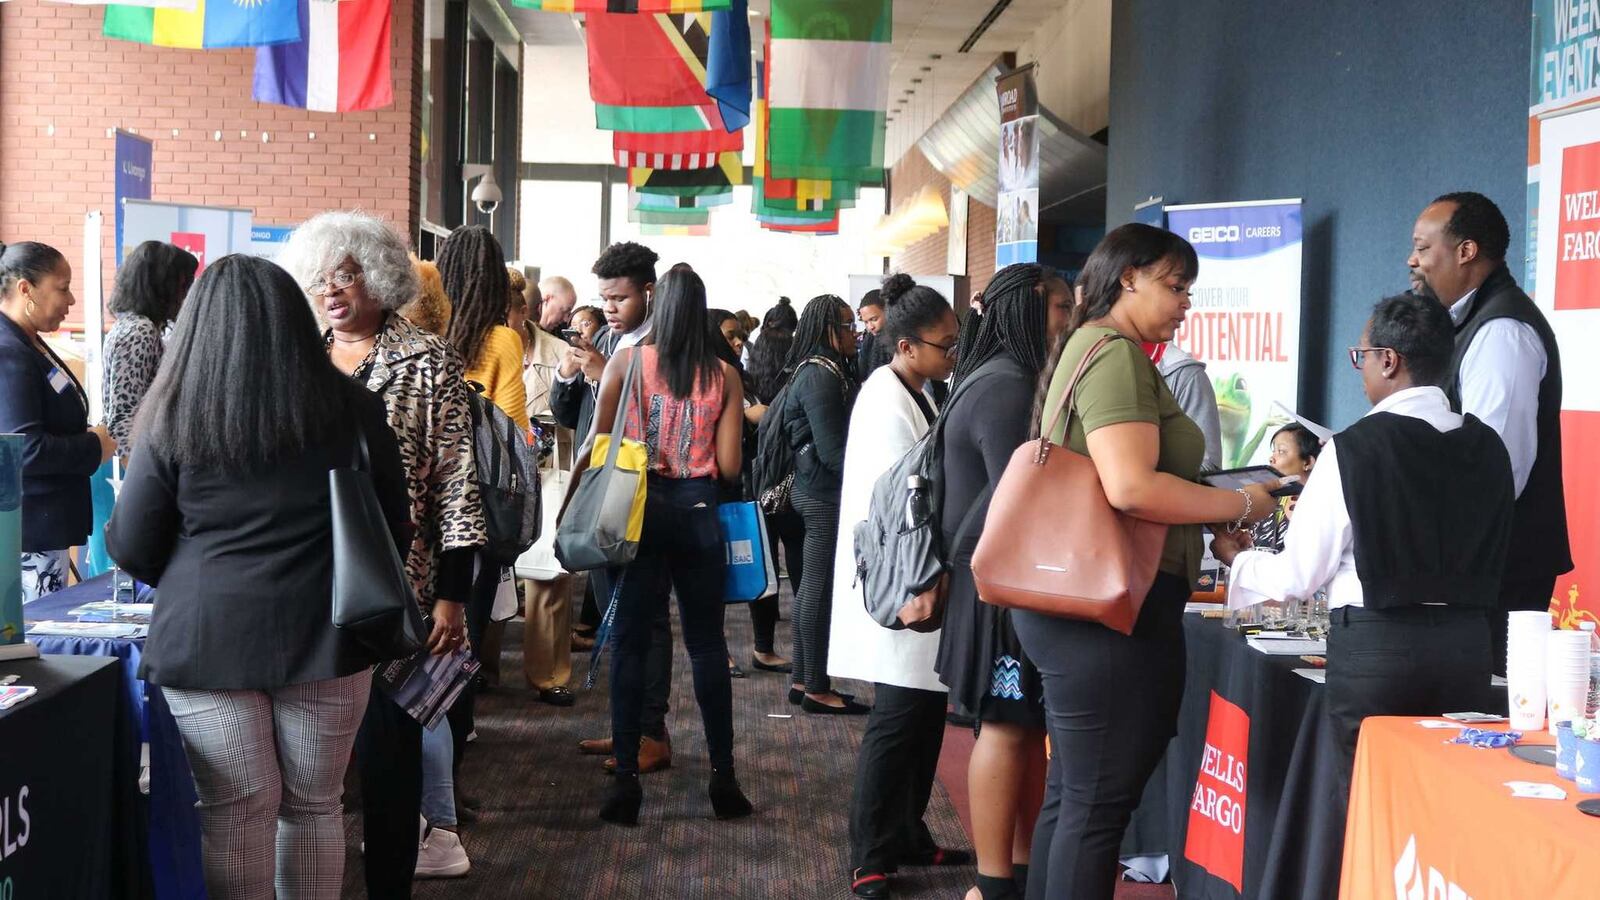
(1233, 479)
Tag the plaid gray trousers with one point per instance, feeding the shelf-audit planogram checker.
(269, 770)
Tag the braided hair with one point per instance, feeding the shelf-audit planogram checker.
(813, 335)
(475, 279)
(1012, 323)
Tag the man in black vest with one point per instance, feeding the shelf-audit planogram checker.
(1409, 560)
(1506, 370)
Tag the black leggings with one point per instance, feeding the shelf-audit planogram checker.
(813, 602)
(389, 757)
(1111, 705)
(681, 550)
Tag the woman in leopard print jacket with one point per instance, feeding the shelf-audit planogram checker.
(356, 270)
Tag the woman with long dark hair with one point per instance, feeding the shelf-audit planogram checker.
(691, 423)
(770, 351)
(816, 417)
(763, 612)
(1001, 353)
(41, 400)
(225, 509)
(1104, 742)
(900, 750)
(476, 281)
(151, 284)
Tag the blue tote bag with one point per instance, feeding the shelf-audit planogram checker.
(751, 570)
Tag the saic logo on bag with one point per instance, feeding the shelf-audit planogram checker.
(1216, 816)
(741, 553)
(1410, 884)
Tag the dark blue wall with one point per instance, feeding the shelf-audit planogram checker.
(1367, 110)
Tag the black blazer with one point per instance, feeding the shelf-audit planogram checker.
(573, 403)
(244, 563)
(58, 452)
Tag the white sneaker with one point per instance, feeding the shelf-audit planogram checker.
(441, 855)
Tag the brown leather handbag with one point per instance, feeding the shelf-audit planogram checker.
(1053, 544)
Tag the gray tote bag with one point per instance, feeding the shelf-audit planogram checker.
(606, 516)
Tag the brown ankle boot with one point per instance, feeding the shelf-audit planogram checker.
(654, 756)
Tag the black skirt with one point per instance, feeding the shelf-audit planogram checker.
(981, 660)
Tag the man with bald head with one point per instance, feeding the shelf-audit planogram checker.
(1507, 372)
(559, 301)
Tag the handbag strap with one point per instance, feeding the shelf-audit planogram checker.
(1068, 403)
(360, 459)
(619, 420)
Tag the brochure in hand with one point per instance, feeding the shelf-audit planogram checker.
(426, 685)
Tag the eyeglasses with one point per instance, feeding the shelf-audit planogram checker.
(338, 282)
(1356, 354)
(845, 327)
(949, 349)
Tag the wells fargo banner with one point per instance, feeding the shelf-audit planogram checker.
(1567, 255)
(1215, 840)
(1244, 323)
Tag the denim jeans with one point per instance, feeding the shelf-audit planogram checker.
(438, 776)
(681, 550)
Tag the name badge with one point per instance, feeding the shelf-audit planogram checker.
(59, 380)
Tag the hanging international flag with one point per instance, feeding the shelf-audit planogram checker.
(637, 200)
(340, 64)
(819, 228)
(670, 216)
(632, 148)
(623, 6)
(675, 230)
(728, 65)
(828, 71)
(648, 60)
(657, 119)
(211, 25)
(689, 182)
(185, 5)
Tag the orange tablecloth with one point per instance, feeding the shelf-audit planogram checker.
(1429, 819)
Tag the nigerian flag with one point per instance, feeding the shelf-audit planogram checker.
(829, 88)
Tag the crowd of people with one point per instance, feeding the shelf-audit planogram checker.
(229, 396)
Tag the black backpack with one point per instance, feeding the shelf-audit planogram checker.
(507, 479)
(773, 468)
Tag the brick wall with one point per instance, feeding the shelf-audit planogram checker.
(56, 69)
(929, 256)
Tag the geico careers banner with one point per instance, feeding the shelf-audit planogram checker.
(1568, 261)
(1244, 321)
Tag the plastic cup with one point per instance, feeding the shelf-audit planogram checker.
(1586, 766)
(1566, 750)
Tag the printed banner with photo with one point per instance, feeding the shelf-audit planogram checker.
(1567, 255)
(1016, 231)
(1244, 323)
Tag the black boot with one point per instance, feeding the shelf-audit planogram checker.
(622, 799)
(727, 799)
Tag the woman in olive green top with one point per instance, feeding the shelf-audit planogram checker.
(1111, 700)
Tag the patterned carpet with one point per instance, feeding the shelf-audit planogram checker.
(539, 837)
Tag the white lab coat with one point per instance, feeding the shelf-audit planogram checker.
(883, 426)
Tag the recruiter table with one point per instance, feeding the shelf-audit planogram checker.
(1430, 819)
(68, 790)
(173, 831)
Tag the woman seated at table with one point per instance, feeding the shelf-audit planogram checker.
(225, 510)
(1411, 562)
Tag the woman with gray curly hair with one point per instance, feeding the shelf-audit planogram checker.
(356, 271)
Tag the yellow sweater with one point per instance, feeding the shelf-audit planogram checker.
(499, 370)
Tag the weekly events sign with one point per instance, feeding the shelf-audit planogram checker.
(1244, 323)
(1567, 260)
(1016, 230)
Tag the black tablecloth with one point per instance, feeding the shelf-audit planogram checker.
(1291, 839)
(68, 795)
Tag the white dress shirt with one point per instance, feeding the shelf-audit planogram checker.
(1319, 549)
(1500, 375)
